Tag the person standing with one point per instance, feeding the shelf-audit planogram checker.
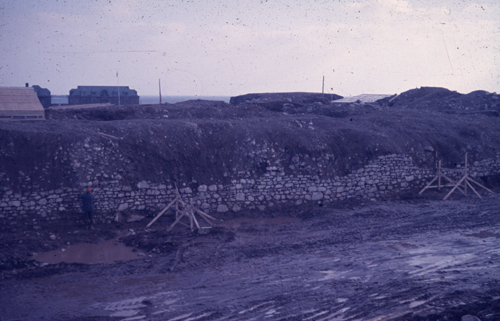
(88, 207)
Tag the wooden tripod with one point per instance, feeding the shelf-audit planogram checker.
(183, 209)
(465, 182)
(439, 178)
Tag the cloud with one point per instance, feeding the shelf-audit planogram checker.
(222, 47)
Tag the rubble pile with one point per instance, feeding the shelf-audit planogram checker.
(442, 99)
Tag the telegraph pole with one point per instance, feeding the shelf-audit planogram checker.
(159, 89)
(323, 87)
(118, 80)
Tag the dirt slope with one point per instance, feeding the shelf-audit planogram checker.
(211, 141)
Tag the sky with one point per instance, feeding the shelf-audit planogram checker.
(228, 47)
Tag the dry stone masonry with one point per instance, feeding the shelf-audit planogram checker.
(385, 177)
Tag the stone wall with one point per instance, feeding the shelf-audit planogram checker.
(383, 178)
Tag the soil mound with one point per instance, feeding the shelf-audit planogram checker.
(297, 98)
(442, 99)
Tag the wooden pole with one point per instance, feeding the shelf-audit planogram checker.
(184, 209)
(465, 180)
(192, 214)
(176, 221)
(466, 175)
(454, 188)
(480, 185)
(161, 213)
(439, 175)
(204, 214)
(118, 80)
(159, 89)
(428, 185)
(323, 87)
(472, 188)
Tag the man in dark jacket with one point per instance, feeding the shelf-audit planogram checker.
(88, 207)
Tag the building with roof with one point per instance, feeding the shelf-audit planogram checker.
(121, 95)
(20, 103)
(43, 95)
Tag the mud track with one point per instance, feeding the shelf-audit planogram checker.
(413, 260)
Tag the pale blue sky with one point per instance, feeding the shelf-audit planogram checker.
(210, 47)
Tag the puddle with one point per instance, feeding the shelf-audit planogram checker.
(106, 252)
(235, 223)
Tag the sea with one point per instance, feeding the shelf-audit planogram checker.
(147, 100)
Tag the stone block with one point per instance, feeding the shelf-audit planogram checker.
(15, 203)
(143, 184)
(240, 196)
(186, 190)
(221, 208)
(316, 196)
(135, 218)
(122, 207)
(202, 188)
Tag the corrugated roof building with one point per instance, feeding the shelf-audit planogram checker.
(20, 103)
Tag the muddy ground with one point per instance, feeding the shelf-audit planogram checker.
(421, 259)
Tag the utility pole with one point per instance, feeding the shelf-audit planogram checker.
(323, 87)
(118, 80)
(159, 89)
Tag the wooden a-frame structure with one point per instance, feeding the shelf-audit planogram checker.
(461, 185)
(182, 209)
(439, 177)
